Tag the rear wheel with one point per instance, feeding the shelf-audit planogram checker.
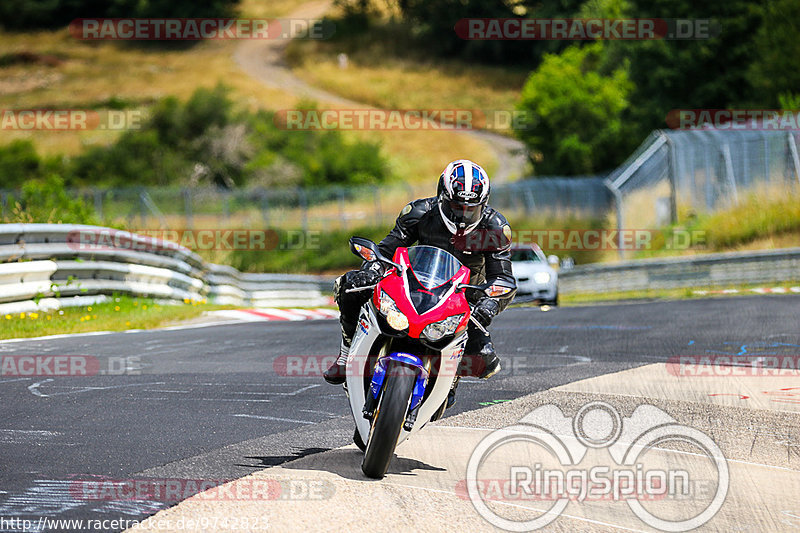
(388, 419)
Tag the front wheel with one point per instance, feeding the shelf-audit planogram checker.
(358, 441)
(388, 419)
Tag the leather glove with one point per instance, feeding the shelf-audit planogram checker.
(365, 278)
(485, 310)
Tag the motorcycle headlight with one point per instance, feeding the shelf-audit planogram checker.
(394, 317)
(437, 330)
(541, 277)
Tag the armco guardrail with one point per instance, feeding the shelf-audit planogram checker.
(53, 265)
(682, 272)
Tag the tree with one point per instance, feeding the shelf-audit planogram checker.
(691, 74)
(575, 112)
(28, 14)
(777, 70)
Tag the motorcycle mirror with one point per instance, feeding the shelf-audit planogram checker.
(498, 288)
(492, 290)
(368, 251)
(364, 248)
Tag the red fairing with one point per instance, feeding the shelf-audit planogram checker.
(397, 288)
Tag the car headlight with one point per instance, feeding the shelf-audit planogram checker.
(541, 277)
(437, 330)
(395, 318)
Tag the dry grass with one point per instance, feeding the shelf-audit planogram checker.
(763, 215)
(396, 83)
(87, 74)
(382, 72)
(91, 73)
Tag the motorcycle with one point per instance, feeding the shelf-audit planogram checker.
(408, 345)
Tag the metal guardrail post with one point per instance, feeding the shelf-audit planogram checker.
(187, 206)
(263, 195)
(620, 215)
(672, 165)
(98, 202)
(143, 207)
(795, 157)
(726, 154)
(303, 200)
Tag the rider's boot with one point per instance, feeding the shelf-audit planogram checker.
(491, 363)
(335, 375)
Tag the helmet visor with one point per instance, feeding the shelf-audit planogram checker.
(461, 212)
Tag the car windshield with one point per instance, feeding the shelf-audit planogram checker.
(524, 255)
(432, 266)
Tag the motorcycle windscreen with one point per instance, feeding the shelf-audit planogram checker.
(431, 270)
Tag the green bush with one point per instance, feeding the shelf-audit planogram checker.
(329, 252)
(576, 112)
(46, 201)
(207, 141)
(18, 162)
(28, 14)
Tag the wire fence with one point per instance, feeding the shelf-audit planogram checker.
(321, 207)
(702, 171)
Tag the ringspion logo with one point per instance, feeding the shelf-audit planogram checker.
(599, 455)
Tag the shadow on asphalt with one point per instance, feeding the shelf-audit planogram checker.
(275, 460)
(346, 463)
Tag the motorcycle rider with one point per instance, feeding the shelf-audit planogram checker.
(451, 220)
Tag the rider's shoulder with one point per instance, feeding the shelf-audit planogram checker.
(415, 209)
(494, 219)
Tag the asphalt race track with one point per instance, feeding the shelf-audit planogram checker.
(216, 403)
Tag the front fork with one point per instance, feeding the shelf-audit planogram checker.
(409, 362)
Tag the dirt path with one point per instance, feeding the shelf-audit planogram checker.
(264, 61)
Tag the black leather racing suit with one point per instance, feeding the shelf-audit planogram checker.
(420, 222)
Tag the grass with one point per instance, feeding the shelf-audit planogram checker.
(80, 74)
(119, 314)
(385, 70)
(764, 219)
(761, 215)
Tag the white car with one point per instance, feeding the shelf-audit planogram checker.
(536, 279)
